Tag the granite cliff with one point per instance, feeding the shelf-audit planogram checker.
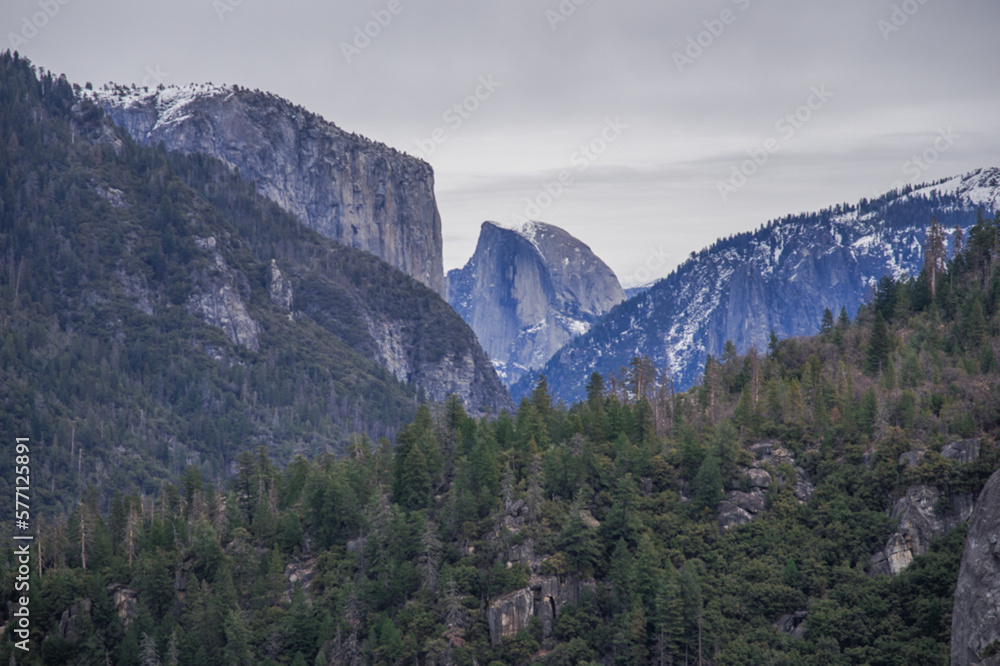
(526, 292)
(975, 620)
(357, 192)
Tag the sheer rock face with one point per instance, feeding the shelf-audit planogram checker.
(529, 291)
(355, 191)
(975, 620)
(545, 597)
(922, 516)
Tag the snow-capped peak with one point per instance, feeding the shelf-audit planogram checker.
(169, 101)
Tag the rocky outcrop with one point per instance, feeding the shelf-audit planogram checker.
(355, 191)
(544, 597)
(731, 516)
(299, 574)
(911, 458)
(126, 602)
(280, 289)
(772, 464)
(508, 614)
(216, 299)
(975, 619)
(965, 451)
(793, 624)
(468, 375)
(923, 514)
(526, 292)
(72, 618)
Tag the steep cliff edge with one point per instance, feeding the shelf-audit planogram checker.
(357, 192)
(526, 292)
(975, 620)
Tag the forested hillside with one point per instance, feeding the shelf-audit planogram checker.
(603, 532)
(157, 313)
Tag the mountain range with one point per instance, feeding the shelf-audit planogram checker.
(209, 309)
(159, 312)
(537, 297)
(358, 192)
(778, 278)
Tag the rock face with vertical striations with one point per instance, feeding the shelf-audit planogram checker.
(975, 619)
(357, 192)
(526, 292)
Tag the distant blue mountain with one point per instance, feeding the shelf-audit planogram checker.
(780, 277)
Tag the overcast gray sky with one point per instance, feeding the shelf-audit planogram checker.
(670, 99)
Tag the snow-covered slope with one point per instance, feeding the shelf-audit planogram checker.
(780, 277)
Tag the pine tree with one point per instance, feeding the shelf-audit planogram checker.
(148, 655)
(826, 325)
(668, 622)
(430, 558)
(934, 254)
(706, 489)
(536, 482)
(238, 637)
(878, 346)
(974, 324)
(413, 487)
(622, 576)
(693, 605)
(541, 400)
(578, 541)
(730, 365)
(622, 520)
(647, 571)
(173, 658)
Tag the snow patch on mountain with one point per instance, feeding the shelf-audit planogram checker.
(780, 277)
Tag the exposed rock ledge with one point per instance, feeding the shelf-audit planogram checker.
(975, 620)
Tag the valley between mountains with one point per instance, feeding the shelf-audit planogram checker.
(267, 428)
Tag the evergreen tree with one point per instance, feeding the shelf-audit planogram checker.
(934, 254)
(238, 650)
(843, 321)
(621, 574)
(826, 325)
(667, 618)
(430, 559)
(878, 346)
(148, 655)
(578, 541)
(974, 325)
(647, 571)
(706, 489)
(622, 521)
(692, 601)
